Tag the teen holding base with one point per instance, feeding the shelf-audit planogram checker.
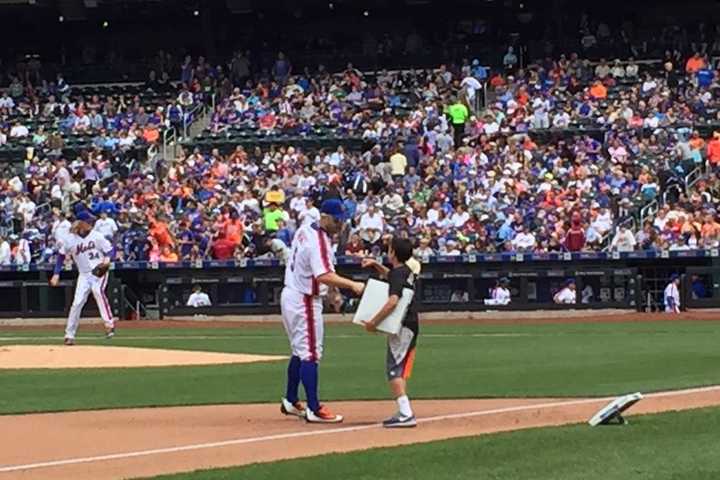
(400, 347)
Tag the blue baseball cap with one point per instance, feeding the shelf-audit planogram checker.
(333, 207)
(85, 216)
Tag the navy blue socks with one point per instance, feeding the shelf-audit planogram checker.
(293, 379)
(309, 377)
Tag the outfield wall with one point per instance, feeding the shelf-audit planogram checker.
(461, 283)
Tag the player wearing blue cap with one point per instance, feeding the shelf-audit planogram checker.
(308, 274)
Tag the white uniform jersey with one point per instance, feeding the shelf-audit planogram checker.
(199, 299)
(87, 252)
(672, 298)
(498, 296)
(310, 257)
(501, 295)
(566, 296)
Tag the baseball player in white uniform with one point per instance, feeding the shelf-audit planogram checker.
(568, 294)
(500, 295)
(308, 274)
(672, 294)
(91, 252)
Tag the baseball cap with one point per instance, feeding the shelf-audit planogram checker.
(414, 266)
(85, 216)
(334, 208)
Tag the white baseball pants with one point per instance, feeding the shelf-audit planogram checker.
(86, 283)
(302, 318)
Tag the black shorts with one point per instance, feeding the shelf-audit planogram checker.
(401, 354)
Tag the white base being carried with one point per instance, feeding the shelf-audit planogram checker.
(374, 297)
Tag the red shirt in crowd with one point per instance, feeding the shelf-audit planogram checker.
(223, 249)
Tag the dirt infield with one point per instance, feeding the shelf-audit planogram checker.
(45, 356)
(145, 442)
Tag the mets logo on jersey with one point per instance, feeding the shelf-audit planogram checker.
(84, 247)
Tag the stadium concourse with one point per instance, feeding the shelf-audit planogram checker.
(561, 154)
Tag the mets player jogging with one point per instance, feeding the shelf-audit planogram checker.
(400, 347)
(91, 252)
(308, 274)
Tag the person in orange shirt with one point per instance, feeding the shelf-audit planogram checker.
(234, 228)
(598, 90)
(696, 141)
(151, 134)
(695, 63)
(160, 232)
(168, 255)
(497, 81)
(522, 97)
(220, 169)
(713, 149)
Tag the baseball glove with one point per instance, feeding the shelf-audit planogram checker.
(101, 269)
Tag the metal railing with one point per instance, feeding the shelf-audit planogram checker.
(692, 178)
(169, 138)
(648, 210)
(132, 303)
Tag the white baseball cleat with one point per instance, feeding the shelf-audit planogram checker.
(294, 409)
(323, 415)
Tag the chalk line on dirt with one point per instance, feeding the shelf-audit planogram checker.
(292, 435)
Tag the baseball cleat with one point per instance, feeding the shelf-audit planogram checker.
(109, 332)
(323, 415)
(69, 341)
(398, 421)
(295, 409)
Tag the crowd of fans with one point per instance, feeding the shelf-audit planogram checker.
(461, 159)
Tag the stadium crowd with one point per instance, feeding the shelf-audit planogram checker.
(462, 159)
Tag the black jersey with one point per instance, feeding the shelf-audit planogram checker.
(399, 278)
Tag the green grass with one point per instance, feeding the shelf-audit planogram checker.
(671, 446)
(452, 362)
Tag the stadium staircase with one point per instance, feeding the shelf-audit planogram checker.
(194, 123)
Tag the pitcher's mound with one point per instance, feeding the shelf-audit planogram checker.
(47, 356)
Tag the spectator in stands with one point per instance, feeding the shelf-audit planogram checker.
(5, 251)
(510, 60)
(106, 225)
(575, 238)
(695, 63)
(624, 240)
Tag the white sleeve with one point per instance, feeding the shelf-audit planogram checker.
(320, 255)
(206, 300)
(65, 245)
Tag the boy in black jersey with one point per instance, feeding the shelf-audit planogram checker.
(401, 347)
